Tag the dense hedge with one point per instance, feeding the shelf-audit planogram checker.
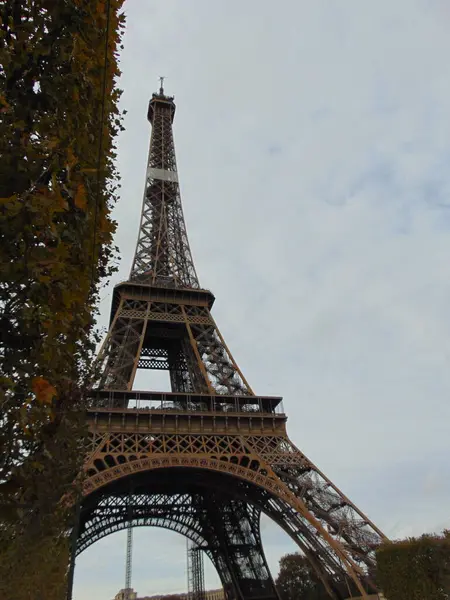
(58, 119)
(416, 568)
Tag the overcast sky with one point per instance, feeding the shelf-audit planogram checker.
(313, 148)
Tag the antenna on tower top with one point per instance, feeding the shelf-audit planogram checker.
(161, 89)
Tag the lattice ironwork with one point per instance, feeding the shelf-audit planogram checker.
(328, 523)
(163, 256)
(209, 457)
(196, 353)
(128, 562)
(224, 527)
(196, 573)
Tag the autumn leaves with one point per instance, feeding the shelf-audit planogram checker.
(58, 121)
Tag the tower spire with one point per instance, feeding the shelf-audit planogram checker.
(161, 87)
(160, 318)
(163, 256)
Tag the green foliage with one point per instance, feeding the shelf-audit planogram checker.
(297, 580)
(58, 119)
(35, 571)
(416, 568)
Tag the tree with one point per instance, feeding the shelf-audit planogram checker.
(58, 120)
(415, 568)
(297, 580)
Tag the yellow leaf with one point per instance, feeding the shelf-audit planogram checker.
(100, 8)
(71, 158)
(8, 200)
(61, 202)
(51, 143)
(37, 465)
(4, 105)
(80, 197)
(43, 390)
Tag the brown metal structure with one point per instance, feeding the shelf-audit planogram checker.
(208, 457)
(196, 574)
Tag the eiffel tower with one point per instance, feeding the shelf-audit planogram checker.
(209, 457)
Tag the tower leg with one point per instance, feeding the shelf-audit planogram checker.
(234, 545)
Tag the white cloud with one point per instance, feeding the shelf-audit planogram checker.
(313, 143)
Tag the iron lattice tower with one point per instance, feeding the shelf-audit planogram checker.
(208, 457)
(128, 559)
(196, 575)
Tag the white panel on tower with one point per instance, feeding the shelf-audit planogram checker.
(163, 174)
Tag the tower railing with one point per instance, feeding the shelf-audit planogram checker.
(184, 402)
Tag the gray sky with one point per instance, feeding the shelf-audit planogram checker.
(313, 147)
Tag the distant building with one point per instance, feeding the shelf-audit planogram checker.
(215, 594)
(126, 594)
(209, 595)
